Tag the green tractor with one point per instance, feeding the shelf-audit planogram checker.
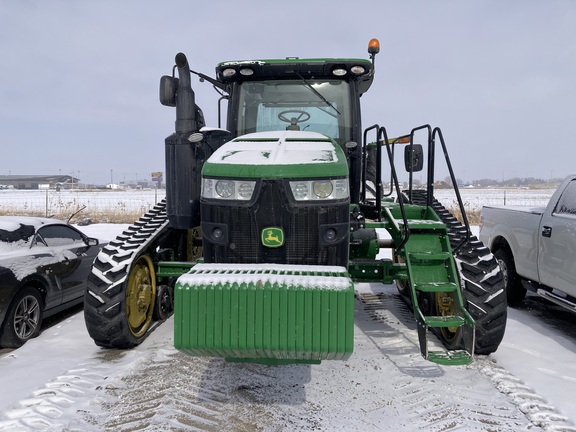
(268, 223)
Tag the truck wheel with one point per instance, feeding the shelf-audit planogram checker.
(23, 320)
(515, 292)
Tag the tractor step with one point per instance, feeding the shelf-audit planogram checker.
(444, 321)
(433, 281)
(450, 358)
(430, 256)
(436, 287)
(271, 314)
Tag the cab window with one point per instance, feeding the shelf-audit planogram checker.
(567, 202)
(315, 106)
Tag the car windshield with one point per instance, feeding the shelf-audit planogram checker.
(311, 105)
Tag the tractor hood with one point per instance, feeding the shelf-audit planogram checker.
(278, 154)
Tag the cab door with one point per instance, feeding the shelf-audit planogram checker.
(556, 263)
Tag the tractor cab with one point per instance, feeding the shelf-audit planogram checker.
(312, 95)
(315, 95)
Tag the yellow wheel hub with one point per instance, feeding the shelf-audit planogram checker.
(140, 296)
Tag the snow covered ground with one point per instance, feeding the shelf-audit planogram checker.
(53, 202)
(62, 381)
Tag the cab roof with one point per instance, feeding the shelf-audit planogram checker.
(360, 70)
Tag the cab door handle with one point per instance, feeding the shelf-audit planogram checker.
(547, 231)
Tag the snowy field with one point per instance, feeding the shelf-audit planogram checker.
(61, 381)
(50, 202)
(65, 202)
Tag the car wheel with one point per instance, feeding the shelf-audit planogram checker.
(23, 319)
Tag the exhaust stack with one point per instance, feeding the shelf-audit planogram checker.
(185, 101)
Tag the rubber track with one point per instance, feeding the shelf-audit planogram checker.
(105, 299)
(483, 291)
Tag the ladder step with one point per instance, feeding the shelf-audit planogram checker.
(429, 256)
(436, 287)
(450, 358)
(444, 321)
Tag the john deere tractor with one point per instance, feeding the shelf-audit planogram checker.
(268, 223)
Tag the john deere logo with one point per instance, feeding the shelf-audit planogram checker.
(272, 237)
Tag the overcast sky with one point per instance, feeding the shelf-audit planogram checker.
(79, 79)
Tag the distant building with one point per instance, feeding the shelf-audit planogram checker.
(39, 182)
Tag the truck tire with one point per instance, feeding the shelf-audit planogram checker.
(482, 283)
(23, 319)
(119, 301)
(515, 292)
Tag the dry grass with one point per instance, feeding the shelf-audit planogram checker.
(472, 215)
(111, 216)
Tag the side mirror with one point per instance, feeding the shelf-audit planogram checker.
(168, 86)
(414, 158)
(90, 241)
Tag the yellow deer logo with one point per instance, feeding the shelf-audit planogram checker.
(272, 237)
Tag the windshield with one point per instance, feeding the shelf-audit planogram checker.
(314, 106)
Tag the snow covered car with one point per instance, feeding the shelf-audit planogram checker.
(44, 266)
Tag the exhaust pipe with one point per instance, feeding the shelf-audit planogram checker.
(185, 100)
(184, 158)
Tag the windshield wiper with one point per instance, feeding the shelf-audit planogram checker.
(317, 93)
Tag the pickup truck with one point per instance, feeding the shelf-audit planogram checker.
(536, 246)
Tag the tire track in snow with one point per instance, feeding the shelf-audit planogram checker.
(385, 385)
(536, 408)
(467, 408)
(168, 392)
(68, 395)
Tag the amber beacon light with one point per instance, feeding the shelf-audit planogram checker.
(373, 46)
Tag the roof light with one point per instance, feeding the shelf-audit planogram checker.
(339, 71)
(374, 46)
(357, 70)
(246, 71)
(227, 73)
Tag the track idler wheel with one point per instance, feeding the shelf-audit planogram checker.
(164, 305)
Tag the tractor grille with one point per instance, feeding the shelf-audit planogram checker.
(274, 208)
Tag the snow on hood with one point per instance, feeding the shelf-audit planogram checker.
(277, 148)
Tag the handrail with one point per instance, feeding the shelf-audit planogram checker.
(430, 179)
(365, 163)
(382, 132)
(438, 132)
(382, 139)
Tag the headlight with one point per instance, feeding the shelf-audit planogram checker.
(228, 189)
(304, 190)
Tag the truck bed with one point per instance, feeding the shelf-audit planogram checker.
(533, 210)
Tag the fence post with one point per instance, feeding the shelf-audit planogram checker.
(46, 211)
